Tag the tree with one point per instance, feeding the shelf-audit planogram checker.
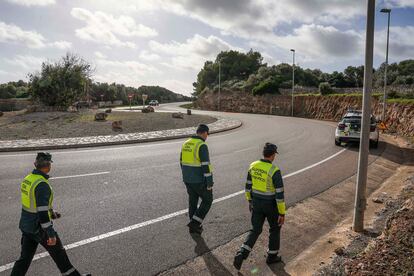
(354, 76)
(325, 88)
(7, 91)
(406, 67)
(392, 73)
(268, 86)
(61, 83)
(234, 66)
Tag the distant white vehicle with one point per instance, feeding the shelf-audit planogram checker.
(349, 129)
(154, 103)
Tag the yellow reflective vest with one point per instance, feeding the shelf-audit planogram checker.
(27, 188)
(262, 183)
(190, 153)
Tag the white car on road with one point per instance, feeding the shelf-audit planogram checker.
(349, 129)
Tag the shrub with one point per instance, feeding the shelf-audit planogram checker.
(61, 83)
(325, 88)
(268, 86)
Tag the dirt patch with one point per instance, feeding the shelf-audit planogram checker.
(385, 249)
(62, 124)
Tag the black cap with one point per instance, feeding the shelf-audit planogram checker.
(202, 128)
(44, 157)
(269, 149)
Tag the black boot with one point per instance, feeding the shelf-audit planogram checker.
(238, 260)
(195, 227)
(273, 258)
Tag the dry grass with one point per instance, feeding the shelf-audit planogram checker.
(63, 124)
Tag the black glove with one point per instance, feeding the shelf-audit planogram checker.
(56, 215)
(250, 206)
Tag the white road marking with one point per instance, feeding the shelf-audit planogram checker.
(79, 175)
(159, 219)
(316, 164)
(246, 149)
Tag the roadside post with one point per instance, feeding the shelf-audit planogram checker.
(130, 101)
(144, 98)
(360, 195)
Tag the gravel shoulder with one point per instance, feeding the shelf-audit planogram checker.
(316, 227)
(386, 246)
(41, 125)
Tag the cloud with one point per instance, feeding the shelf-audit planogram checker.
(63, 45)
(400, 3)
(250, 19)
(14, 34)
(127, 72)
(317, 41)
(105, 28)
(26, 62)
(99, 55)
(177, 86)
(257, 18)
(29, 3)
(32, 39)
(147, 56)
(401, 42)
(191, 54)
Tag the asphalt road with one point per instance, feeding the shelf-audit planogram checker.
(100, 190)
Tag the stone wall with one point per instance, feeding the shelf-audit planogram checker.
(14, 104)
(401, 89)
(400, 117)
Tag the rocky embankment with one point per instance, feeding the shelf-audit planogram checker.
(400, 117)
(389, 252)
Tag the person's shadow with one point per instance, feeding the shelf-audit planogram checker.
(279, 269)
(214, 266)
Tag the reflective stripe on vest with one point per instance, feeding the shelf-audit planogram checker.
(190, 153)
(27, 188)
(262, 174)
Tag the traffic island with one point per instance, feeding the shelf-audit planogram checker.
(314, 228)
(216, 125)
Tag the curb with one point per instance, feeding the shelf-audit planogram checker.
(235, 124)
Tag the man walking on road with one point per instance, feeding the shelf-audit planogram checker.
(265, 194)
(198, 177)
(36, 220)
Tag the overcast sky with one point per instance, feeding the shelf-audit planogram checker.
(165, 42)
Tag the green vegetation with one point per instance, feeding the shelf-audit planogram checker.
(111, 92)
(325, 88)
(61, 83)
(247, 72)
(400, 100)
(69, 80)
(268, 86)
(14, 89)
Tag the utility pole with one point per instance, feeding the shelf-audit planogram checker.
(219, 88)
(360, 195)
(388, 11)
(293, 76)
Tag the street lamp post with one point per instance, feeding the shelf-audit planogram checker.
(360, 193)
(293, 76)
(219, 88)
(388, 11)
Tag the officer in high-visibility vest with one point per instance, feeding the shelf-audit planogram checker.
(265, 194)
(198, 177)
(36, 220)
